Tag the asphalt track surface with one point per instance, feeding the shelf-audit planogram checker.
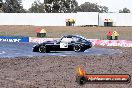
(10, 50)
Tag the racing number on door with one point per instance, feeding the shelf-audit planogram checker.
(64, 45)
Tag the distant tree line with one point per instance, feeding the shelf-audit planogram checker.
(125, 10)
(54, 6)
(12, 6)
(65, 6)
(92, 7)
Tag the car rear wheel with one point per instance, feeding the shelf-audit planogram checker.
(77, 48)
(42, 49)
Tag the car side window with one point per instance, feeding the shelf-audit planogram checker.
(66, 40)
(74, 39)
(77, 39)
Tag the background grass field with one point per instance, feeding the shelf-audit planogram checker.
(57, 32)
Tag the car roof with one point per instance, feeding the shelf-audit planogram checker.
(75, 36)
(72, 36)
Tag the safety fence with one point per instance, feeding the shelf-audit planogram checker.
(95, 42)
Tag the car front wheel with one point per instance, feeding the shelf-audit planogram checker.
(77, 48)
(42, 49)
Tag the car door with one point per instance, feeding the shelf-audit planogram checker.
(61, 45)
(65, 44)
